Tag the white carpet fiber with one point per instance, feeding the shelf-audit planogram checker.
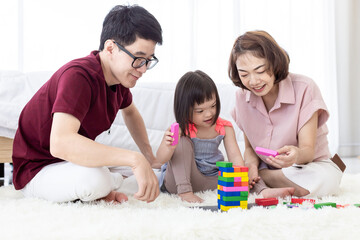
(170, 218)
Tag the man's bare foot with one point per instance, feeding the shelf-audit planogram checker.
(115, 197)
(190, 197)
(277, 192)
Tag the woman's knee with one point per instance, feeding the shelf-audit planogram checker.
(277, 179)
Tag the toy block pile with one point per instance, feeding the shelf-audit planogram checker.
(298, 202)
(233, 186)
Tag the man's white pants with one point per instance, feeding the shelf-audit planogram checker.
(65, 181)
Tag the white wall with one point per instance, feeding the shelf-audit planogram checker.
(302, 27)
(348, 75)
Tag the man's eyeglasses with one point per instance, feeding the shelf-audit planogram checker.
(139, 61)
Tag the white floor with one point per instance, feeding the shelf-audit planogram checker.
(352, 167)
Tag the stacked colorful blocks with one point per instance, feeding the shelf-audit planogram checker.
(233, 186)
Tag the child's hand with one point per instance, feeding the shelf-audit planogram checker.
(288, 155)
(253, 176)
(168, 137)
(166, 149)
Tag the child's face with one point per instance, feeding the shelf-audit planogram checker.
(254, 75)
(204, 113)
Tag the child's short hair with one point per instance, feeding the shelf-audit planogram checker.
(261, 45)
(124, 23)
(193, 87)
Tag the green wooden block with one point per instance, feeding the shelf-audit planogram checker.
(320, 205)
(357, 205)
(237, 198)
(244, 194)
(226, 179)
(224, 164)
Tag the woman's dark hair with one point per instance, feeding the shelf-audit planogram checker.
(193, 87)
(261, 45)
(124, 23)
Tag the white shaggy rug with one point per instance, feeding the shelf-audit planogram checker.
(170, 218)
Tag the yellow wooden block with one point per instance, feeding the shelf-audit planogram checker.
(225, 208)
(235, 174)
(243, 203)
(244, 179)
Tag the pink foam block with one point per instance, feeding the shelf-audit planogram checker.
(266, 152)
(175, 129)
(236, 189)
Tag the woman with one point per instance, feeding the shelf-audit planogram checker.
(285, 112)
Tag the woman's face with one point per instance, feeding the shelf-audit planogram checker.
(254, 75)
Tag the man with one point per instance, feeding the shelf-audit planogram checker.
(55, 156)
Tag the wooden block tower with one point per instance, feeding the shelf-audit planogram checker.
(233, 186)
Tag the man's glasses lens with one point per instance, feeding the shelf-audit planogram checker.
(139, 61)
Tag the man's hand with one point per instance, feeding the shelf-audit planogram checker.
(146, 179)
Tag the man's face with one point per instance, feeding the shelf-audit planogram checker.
(121, 70)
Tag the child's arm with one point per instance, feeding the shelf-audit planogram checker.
(304, 153)
(252, 162)
(166, 149)
(232, 149)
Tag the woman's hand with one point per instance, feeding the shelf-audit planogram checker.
(288, 155)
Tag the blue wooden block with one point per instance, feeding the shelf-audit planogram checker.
(232, 194)
(229, 203)
(226, 184)
(226, 169)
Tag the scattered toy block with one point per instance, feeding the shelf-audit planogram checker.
(338, 206)
(321, 205)
(301, 200)
(266, 201)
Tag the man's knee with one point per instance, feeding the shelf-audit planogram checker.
(93, 183)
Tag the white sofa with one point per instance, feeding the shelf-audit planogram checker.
(153, 99)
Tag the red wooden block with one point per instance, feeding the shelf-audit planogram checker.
(241, 169)
(266, 201)
(237, 168)
(243, 184)
(301, 200)
(238, 184)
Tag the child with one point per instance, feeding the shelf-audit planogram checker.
(192, 162)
